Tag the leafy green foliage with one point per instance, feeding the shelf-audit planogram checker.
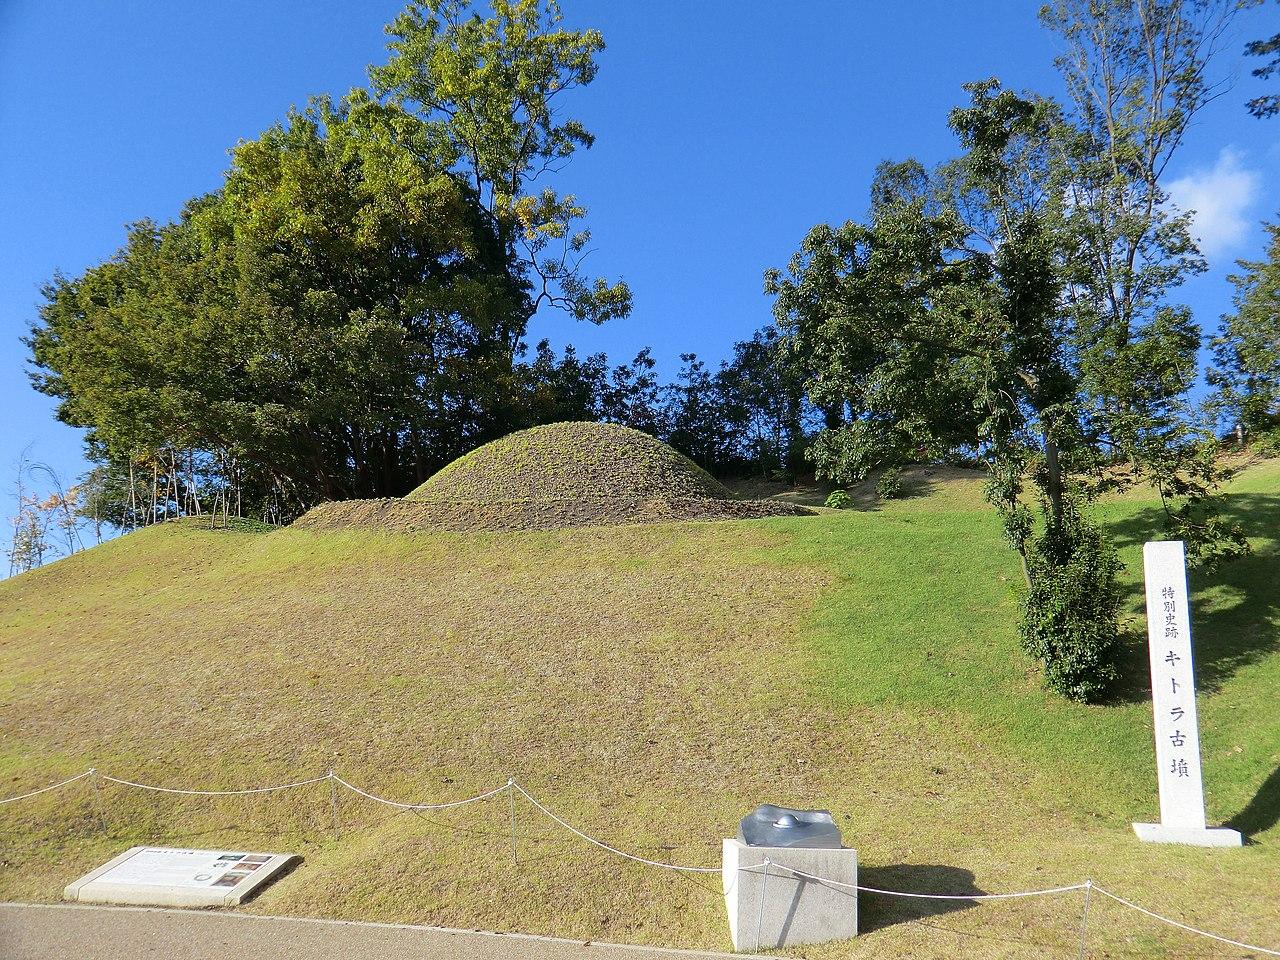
(345, 315)
(1013, 303)
(1069, 617)
(1246, 352)
(889, 485)
(338, 320)
(1267, 105)
(487, 90)
(839, 500)
(1137, 73)
(1268, 444)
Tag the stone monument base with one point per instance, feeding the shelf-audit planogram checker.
(1193, 836)
(781, 909)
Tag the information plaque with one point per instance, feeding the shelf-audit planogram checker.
(168, 877)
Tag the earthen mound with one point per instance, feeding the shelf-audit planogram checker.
(570, 461)
(557, 475)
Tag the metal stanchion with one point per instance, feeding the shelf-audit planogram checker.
(1084, 918)
(99, 806)
(511, 797)
(333, 797)
(764, 890)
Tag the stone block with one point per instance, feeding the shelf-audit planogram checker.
(772, 907)
(1195, 836)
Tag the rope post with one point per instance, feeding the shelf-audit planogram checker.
(98, 805)
(511, 798)
(764, 889)
(1084, 918)
(333, 798)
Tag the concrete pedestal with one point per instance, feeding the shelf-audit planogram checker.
(780, 909)
(1192, 836)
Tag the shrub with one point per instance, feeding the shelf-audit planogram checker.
(839, 500)
(1267, 444)
(1070, 617)
(889, 486)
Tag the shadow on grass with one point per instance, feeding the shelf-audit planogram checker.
(1262, 812)
(917, 482)
(1236, 629)
(877, 910)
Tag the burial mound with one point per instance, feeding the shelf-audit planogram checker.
(574, 460)
(557, 475)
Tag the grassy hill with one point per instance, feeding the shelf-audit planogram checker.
(651, 684)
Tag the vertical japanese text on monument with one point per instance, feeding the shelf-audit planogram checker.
(1179, 681)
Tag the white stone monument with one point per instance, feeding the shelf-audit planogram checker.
(1173, 698)
(773, 907)
(164, 877)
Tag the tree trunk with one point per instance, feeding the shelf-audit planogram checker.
(133, 498)
(1053, 477)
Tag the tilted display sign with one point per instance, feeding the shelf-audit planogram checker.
(167, 877)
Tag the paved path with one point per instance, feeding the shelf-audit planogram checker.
(57, 932)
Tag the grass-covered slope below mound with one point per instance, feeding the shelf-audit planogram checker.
(571, 461)
(652, 684)
(412, 516)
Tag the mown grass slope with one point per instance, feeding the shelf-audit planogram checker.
(651, 684)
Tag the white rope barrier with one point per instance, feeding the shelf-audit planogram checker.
(52, 786)
(935, 896)
(512, 787)
(1182, 926)
(423, 806)
(604, 846)
(968, 896)
(214, 793)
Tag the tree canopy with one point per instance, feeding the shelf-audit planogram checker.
(1267, 104)
(336, 319)
(347, 312)
(1015, 302)
(487, 91)
(1246, 352)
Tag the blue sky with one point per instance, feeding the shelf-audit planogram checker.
(724, 132)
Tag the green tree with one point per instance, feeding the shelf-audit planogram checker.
(337, 321)
(391, 309)
(767, 395)
(1138, 75)
(633, 396)
(1267, 105)
(347, 313)
(488, 89)
(939, 325)
(1246, 352)
(565, 388)
(1014, 303)
(698, 425)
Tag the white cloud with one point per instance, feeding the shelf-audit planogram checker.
(1220, 197)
